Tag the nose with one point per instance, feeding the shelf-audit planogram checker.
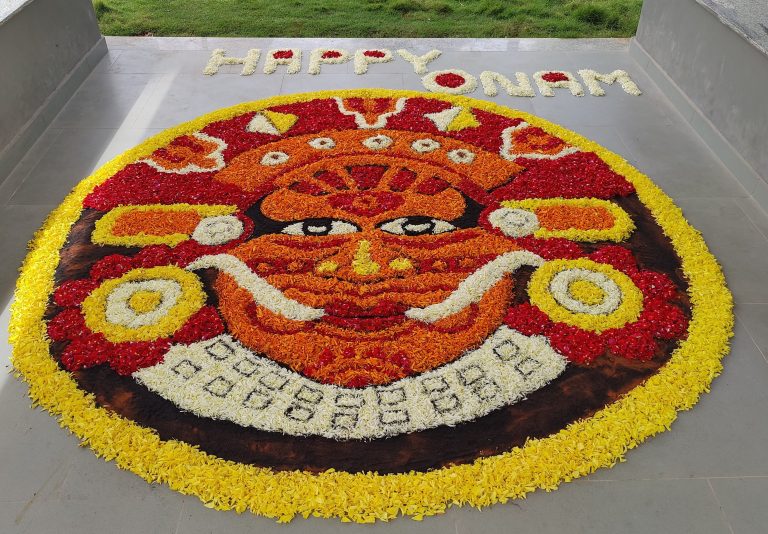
(363, 263)
(365, 259)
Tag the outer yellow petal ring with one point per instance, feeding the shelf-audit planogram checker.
(577, 450)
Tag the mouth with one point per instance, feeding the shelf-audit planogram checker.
(470, 291)
(383, 315)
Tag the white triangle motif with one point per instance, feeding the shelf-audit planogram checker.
(443, 119)
(260, 124)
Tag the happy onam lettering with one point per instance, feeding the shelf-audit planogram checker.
(450, 81)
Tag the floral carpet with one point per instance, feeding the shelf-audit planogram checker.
(367, 303)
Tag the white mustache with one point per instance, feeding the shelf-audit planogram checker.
(263, 293)
(470, 291)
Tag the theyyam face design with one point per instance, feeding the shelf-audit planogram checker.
(360, 267)
(377, 248)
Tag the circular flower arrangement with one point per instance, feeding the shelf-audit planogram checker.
(367, 303)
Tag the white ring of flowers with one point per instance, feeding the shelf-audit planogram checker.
(118, 311)
(425, 146)
(378, 142)
(430, 82)
(461, 155)
(322, 143)
(274, 158)
(561, 282)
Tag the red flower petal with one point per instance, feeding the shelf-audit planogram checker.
(153, 256)
(578, 345)
(130, 357)
(664, 320)
(73, 292)
(553, 77)
(205, 324)
(653, 284)
(69, 324)
(551, 249)
(87, 351)
(633, 341)
(450, 79)
(619, 257)
(527, 319)
(111, 266)
(582, 174)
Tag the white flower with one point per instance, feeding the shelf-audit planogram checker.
(514, 222)
(472, 289)
(322, 143)
(274, 158)
(489, 79)
(329, 56)
(592, 78)
(221, 379)
(217, 230)
(366, 56)
(378, 142)
(293, 61)
(461, 155)
(216, 157)
(545, 87)
(425, 146)
(419, 62)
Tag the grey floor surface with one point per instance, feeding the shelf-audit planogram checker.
(708, 475)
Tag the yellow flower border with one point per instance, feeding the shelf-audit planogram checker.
(622, 223)
(576, 450)
(540, 295)
(192, 299)
(102, 232)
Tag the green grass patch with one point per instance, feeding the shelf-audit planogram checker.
(370, 18)
(101, 8)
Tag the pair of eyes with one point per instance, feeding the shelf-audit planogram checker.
(410, 226)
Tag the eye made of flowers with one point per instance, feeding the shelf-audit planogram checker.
(320, 227)
(417, 226)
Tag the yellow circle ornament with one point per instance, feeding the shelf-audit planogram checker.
(608, 298)
(234, 306)
(144, 304)
(145, 301)
(586, 291)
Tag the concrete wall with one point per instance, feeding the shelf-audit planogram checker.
(41, 45)
(722, 74)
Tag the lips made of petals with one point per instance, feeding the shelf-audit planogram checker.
(384, 314)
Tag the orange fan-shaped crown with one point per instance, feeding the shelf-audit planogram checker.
(365, 160)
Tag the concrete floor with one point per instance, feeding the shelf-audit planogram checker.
(709, 475)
